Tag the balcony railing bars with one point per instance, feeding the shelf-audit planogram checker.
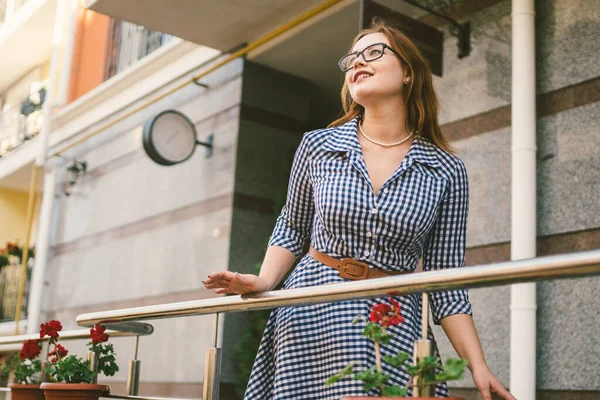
(563, 266)
(542, 268)
(130, 43)
(21, 122)
(8, 8)
(130, 329)
(10, 279)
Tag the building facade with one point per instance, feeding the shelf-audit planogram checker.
(131, 233)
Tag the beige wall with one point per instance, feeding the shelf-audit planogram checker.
(13, 211)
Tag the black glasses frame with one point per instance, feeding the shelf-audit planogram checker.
(342, 62)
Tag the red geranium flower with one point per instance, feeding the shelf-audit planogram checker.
(51, 329)
(59, 350)
(385, 314)
(31, 349)
(97, 334)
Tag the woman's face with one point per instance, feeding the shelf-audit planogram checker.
(377, 79)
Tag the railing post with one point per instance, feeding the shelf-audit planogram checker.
(212, 367)
(133, 376)
(423, 348)
(93, 360)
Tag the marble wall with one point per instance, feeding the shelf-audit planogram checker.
(275, 110)
(135, 233)
(567, 172)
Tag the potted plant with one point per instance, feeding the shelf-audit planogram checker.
(423, 373)
(79, 375)
(26, 369)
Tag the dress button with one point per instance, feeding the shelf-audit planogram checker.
(373, 211)
(386, 190)
(369, 234)
(367, 253)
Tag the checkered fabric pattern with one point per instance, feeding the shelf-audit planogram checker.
(420, 210)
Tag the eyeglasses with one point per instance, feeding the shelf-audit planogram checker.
(369, 53)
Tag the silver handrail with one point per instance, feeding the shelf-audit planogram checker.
(126, 330)
(542, 268)
(551, 267)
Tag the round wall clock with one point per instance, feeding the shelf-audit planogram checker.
(170, 138)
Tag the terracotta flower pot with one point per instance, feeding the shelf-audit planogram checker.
(70, 391)
(26, 392)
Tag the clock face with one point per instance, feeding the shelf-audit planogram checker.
(169, 138)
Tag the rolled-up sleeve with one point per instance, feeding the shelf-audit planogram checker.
(293, 226)
(445, 245)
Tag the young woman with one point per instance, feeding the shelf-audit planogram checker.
(380, 186)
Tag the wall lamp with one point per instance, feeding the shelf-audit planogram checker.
(74, 171)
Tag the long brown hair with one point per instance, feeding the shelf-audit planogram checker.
(420, 99)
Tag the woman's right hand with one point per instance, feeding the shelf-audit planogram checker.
(231, 282)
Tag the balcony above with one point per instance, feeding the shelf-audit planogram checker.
(26, 40)
(216, 24)
(227, 23)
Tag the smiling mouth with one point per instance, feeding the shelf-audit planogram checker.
(361, 76)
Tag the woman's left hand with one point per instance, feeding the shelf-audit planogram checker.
(487, 383)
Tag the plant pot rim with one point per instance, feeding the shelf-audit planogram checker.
(394, 398)
(24, 385)
(74, 386)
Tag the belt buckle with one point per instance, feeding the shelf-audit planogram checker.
(354, 270)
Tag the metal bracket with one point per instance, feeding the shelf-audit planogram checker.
(200, 84)
(229, 51)
(461, 31)
(208, 144)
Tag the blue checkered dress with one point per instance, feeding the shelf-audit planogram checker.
(420, 210)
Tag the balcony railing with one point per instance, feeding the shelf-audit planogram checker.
(8, 8)
(14, 344)
(542, 268)
(10, 280)
(130, 43)
(21, 122)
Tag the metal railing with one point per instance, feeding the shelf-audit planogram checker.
(21, 122)
(8, 8)
(127, 329)
(10, 278)
(543, 268)
(130, 43)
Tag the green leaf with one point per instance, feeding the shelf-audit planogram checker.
(347, 371)
(395, 391)
(71, 369)
(426, 369)
(453, 369)
(398, 360)
(376, 332)
(371, 378)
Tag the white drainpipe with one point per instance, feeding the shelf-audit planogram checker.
(45, 220)
(523, 232)
(65, 76)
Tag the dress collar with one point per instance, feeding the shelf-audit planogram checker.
(345, 138)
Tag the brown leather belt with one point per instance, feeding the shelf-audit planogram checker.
(350, 268)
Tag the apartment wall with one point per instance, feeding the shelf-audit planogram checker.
(135, 233)
(475, 99)
(89, 53)
(21, 88)
(270, 128)
(13, 204)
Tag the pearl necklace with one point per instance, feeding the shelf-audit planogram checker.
(384, 144)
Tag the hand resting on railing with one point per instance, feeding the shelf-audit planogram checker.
(276, 264)
(231, 282)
